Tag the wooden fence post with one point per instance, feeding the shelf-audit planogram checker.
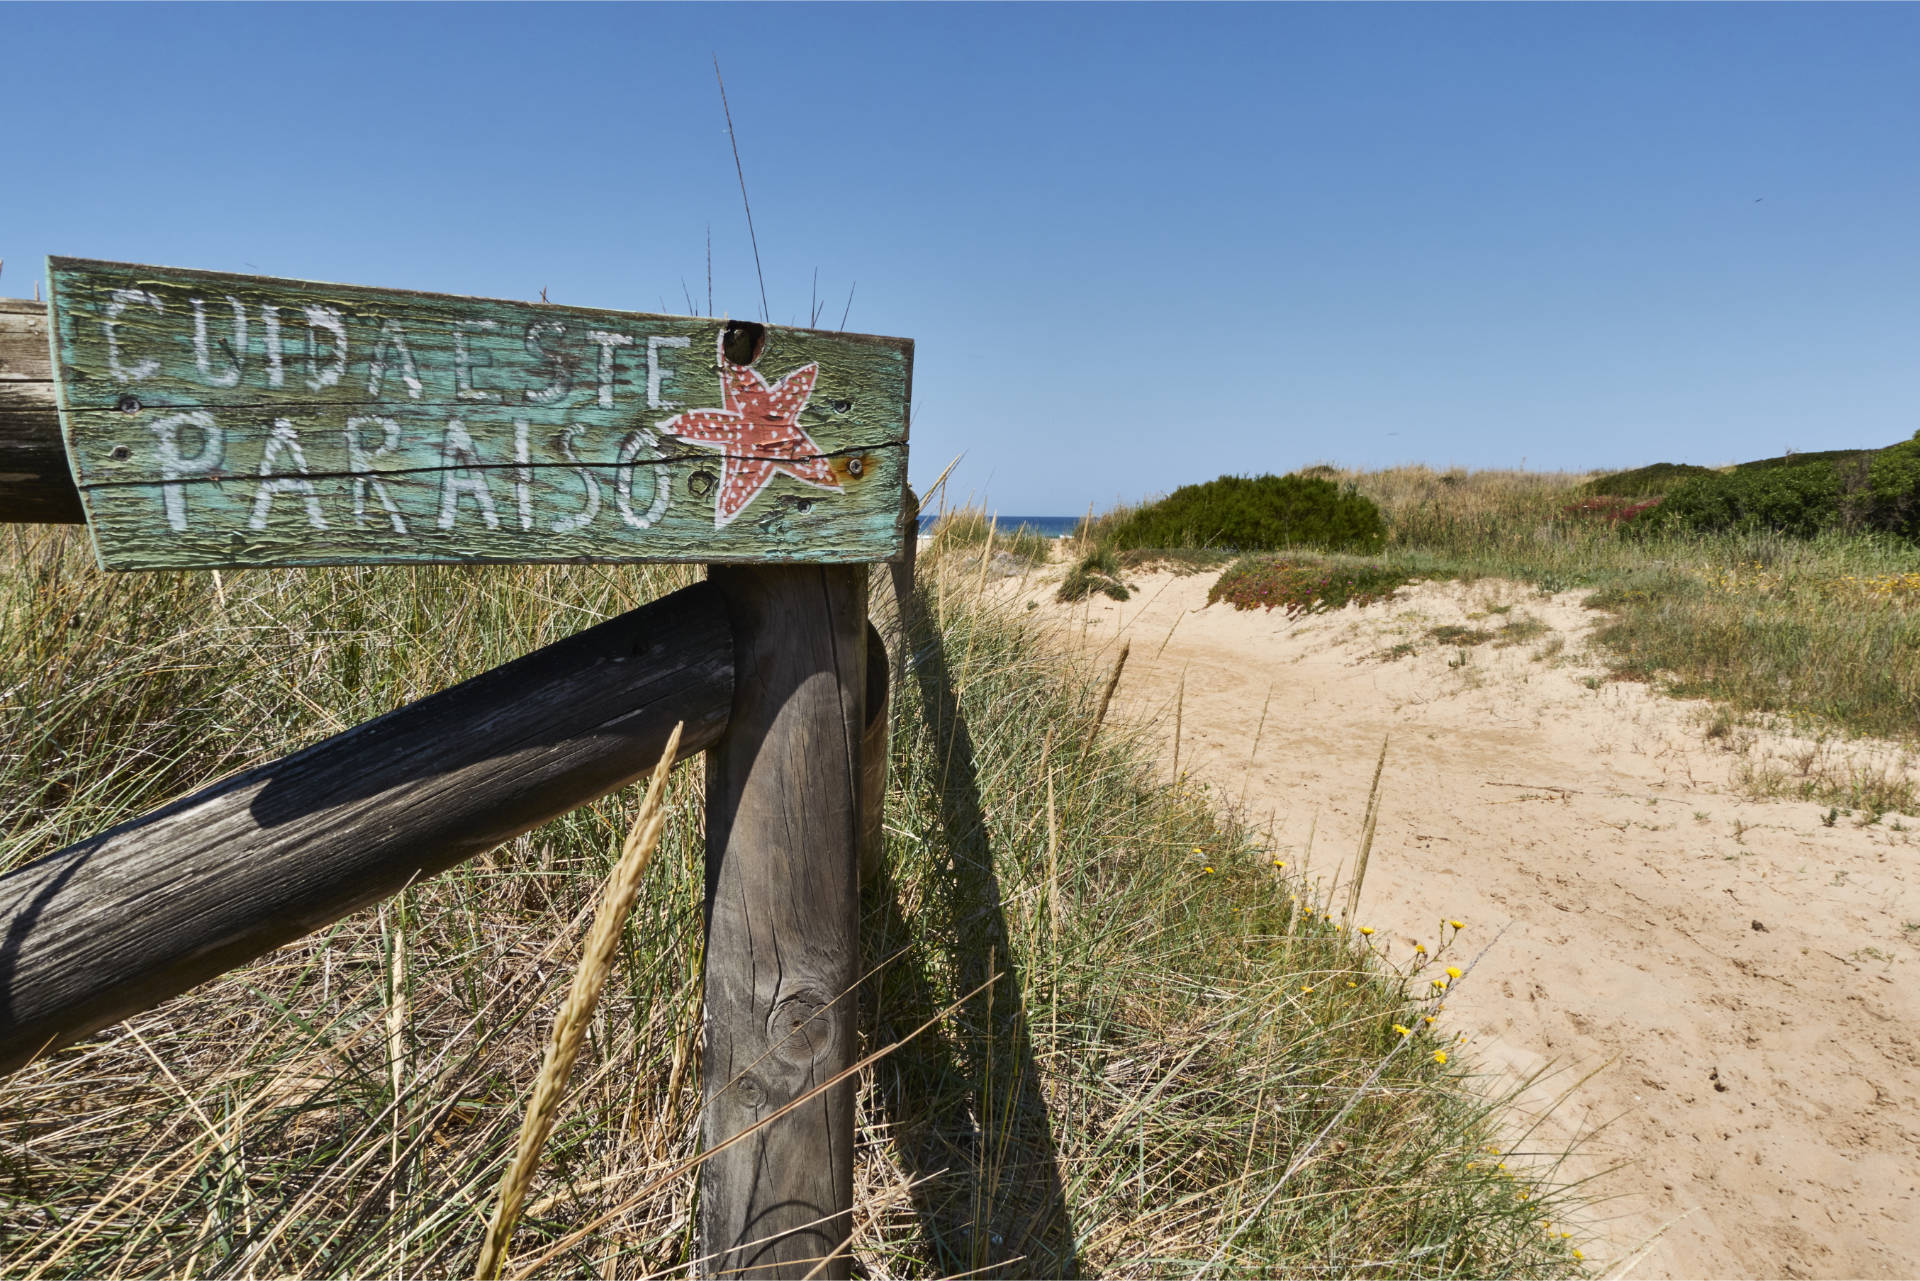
(873, 761)
(782, 924)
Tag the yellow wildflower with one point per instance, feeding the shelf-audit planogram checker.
(1453, 971)
(1576, 1250)
(1366, 929)
(1440, 1057)
(1305, 991)
(1427, 1019)
(1207, 870)
(1420, 948)
(1403, 1031)
(1458, 925)
(1441, 984)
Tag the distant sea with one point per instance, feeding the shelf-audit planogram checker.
(1047, 526)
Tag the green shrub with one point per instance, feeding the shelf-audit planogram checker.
(1855, 491)
(1797, 460)
(1302, 586)
(1259, 513)
(1788, 500)
(1643, 482)
(1890, 499)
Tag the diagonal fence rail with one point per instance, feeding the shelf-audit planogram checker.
(118, 923)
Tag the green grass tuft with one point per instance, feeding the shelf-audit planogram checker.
(1304, 585)
(1098, 569)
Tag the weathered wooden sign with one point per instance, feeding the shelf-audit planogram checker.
(218, 420)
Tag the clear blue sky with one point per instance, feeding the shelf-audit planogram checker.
(1137, 246)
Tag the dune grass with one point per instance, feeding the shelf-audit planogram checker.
(972, 527)
(1158, 1055)
(1825, 630)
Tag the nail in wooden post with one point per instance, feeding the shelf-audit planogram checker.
(782, 923)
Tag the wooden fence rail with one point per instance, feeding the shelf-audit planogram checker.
(118, 923)
(35, 482)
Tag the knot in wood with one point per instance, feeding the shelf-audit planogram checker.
(800, 1028)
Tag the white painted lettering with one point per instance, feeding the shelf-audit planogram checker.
(276, 367)
(176, 465)
(320, 377)
(360, 463)
(658, 373)
(285, 440)
(392, 343)
(581, 519)
(464, 363)
(658, 479)
(522, 473)
(551, 361)
(607, 341)
(462, 474)
(235, 348)
(122, 299)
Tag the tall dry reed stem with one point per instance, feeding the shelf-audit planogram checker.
(1367, 826)
(1106, 697)
(570, 1028)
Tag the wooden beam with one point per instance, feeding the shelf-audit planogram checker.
(119, 923)
(35, 482)
(782, 924)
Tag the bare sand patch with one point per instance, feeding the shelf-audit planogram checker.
(1723, 987)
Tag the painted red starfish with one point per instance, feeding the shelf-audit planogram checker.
(756, 435)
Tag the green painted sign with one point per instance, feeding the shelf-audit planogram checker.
(216, 420)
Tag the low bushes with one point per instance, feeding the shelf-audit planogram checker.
(1259, 513)
(1303, 586)
(1875, 491)
(1644, 482)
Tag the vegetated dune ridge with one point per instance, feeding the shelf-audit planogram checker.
(1725, 986)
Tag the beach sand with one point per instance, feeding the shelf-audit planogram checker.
(1722, 991)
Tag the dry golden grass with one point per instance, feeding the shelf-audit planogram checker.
(570, 1028)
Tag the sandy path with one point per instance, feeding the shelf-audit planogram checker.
(1742, 975)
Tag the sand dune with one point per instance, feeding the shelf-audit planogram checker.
(1725, 987)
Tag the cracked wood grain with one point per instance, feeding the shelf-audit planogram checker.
(783, 820)
(35, 482)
